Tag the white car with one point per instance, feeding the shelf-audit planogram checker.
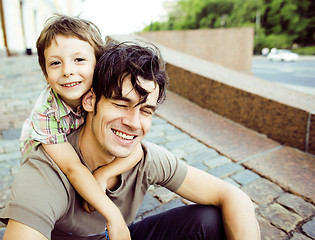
(282, 55)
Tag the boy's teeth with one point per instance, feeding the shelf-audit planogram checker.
(123, 135)
(71, 84)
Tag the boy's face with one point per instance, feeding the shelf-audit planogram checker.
(122, 122)
(70, 66)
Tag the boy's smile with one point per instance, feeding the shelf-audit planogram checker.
(70, 65)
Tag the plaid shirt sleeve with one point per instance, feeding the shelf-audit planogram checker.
(47, 129)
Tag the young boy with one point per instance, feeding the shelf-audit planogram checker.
(68, 49)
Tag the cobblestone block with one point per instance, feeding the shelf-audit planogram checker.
(177, 136)
(162, 194)
(10, 156)
(163, 127)
(299, 236)
(245, 177)
(202, 155)
(217, 161)
(180, 153)
(200, 166)
(182, 143)
(196, 147)
(11, 134)
(153, 134)
(269, 232)
(230, 180)
(2, 230)
(4, 197)
(157, 120)
(156, 140)
(9, 146)
(298, 205)
(165, 207)
(262, 191)
(280, 217)
(5, 171)
(149, 203)
(6, 182)
(309, 228)
(226, 170)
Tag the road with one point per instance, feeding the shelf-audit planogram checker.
(299, 75)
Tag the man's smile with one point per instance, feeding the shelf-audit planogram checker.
(123, 135)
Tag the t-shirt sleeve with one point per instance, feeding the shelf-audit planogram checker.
(167, 170)
(38, 197)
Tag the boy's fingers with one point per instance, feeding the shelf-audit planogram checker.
(86, 207)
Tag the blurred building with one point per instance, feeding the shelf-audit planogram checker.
(22, 21)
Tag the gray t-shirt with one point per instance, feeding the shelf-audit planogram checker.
(42, 197)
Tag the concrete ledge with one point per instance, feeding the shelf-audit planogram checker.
(229, 47)
(282, 114)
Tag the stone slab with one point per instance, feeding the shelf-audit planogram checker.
(292, 169)
(262, 191)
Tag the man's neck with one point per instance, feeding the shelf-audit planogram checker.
(91, 154)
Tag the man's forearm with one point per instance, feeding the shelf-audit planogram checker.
(239, 218)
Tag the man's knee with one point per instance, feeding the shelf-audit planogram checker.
(207, 221)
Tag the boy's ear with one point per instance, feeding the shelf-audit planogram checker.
(88, 101)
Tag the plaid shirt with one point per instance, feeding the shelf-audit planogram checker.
(50, 122)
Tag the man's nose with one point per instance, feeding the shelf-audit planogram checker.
(132, 118)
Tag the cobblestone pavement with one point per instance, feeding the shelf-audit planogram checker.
(281, 215)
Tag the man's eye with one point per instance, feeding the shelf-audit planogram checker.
(120, 105)
(148, 111)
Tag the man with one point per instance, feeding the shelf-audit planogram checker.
(129, 82)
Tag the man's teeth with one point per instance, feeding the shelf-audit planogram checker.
(123, 135)
(71, 84)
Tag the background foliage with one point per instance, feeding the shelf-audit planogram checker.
(277, 23)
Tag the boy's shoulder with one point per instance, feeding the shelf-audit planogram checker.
(47, 101)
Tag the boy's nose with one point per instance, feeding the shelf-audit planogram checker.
(67, 70)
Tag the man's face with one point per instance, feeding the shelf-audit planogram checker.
(122, 122)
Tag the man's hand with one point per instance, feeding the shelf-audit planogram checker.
(19, 231)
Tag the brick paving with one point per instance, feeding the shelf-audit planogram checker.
(281, 213)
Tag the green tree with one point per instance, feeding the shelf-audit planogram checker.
(278, 23)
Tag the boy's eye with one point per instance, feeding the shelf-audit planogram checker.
(54, 63)
(79, 59)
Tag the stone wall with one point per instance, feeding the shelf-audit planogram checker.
(229, 47)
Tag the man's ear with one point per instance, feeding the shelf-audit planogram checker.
(88, 101)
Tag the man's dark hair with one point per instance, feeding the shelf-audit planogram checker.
(120, 60)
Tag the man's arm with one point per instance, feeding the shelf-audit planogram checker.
(19, 231)
(237, 209)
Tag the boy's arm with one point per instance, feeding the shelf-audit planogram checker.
(85, 184)
(118, 166)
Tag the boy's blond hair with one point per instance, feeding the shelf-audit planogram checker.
(69, 27)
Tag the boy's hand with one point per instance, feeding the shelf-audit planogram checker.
(118, 229)
(87, 207)
(102, 181)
